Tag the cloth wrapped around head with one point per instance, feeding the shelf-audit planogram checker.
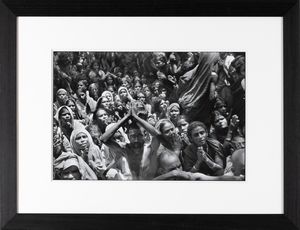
(68, 159)
(129, 97)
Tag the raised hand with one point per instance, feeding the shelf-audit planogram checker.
(234, 122)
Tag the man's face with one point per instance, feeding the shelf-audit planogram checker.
(199, 136)
(168, 132)
(136, 138)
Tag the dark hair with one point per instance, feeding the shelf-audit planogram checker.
(77, 116)
(85, 83)
(214, 115)
(92, 64)
(133, 125)
(192, 126)
(61, 109)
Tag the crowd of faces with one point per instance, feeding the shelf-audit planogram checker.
(109, 107)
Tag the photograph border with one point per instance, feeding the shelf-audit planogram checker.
(11, 9)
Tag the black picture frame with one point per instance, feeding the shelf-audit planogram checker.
(10, 9)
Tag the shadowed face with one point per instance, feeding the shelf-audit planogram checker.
(136, 138)
(198, 136)
(123, 94)
(182, 125)
(71, 105)
(168, 132)
(71, 173)
(102, 116)
(65, 117)
(221, 122)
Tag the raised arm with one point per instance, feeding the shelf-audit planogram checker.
(152, 130)
(110, 132)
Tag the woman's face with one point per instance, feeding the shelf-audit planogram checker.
(82, 96)
(199, 136)
(141, 97)
(159, 63)
(182, 125)
(102, 116)
(137, 87)
(65, 117)
(82, 141)
(222, 109)
(62, 97)
(108, 96)
(174, 112)
(71, 105)
(147, 92)
(94, 90)
(135, 73)
(96, 66)
(221, 122)
(125, 83)
(109, 80)
(163, 105)
(71, 173)
(81, 85)
(105, 103)
(163, 94)
(123, 94)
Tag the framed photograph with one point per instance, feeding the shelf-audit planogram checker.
(205, 106)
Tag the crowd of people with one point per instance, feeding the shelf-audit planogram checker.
(148, 116)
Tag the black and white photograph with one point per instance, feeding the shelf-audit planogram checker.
(149, 115)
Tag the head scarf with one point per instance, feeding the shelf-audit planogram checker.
(61, 91)
(108, 92)
(58, 111)
(73, 143)
(128, 94)
(171, 106)
(95, 158)
(67, 159)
